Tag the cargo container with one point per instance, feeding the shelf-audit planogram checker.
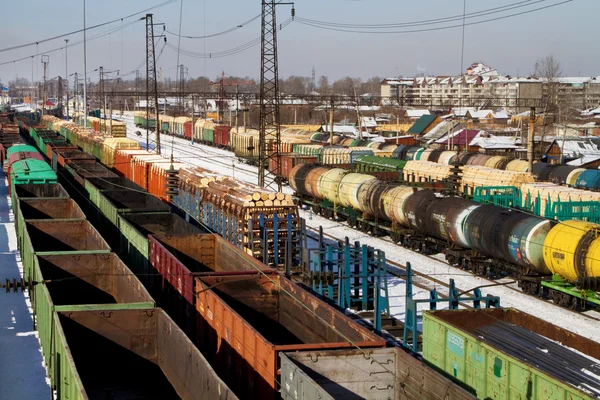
(133, 353)
(507, 354)
(375, 374)
(19, 156)
(83, 171)
(221, 136)
(80, 282)
(187, 130)
(54, 236)
(248, 320)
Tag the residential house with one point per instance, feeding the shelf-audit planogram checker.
(424, 124)
(568, 149)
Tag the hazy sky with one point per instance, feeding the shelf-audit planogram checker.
(570, 32)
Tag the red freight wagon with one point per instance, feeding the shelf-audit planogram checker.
(222, 136)
(247, 320)
(288, 162)
(124, 162)
(187, 130)
(2, 153)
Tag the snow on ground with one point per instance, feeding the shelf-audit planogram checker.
(209, 157)
(22, 371)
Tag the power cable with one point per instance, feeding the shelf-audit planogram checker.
(459, 17)
(229, 52)
(205, 36)
(113, 30)
(300, 21)
(86, 29)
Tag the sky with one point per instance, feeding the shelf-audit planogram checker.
(512, 45)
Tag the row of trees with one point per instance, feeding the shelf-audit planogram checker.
(293, 84)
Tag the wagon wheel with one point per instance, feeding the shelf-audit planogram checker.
(396, 237)
(556, 296)
(316, 209)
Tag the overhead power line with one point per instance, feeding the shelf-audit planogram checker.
(97, 36)
(86, 29)
(229, 52)
(240, 26)
(303, 22)
(459, 17)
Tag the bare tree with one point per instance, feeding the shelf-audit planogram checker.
(549, 70)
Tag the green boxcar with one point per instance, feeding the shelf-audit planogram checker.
(477, 348)
(208, 135)
(32, 171)
(95, 282)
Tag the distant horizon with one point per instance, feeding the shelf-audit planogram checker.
(511, 45)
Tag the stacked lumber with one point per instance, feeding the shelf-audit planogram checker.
(242, 194)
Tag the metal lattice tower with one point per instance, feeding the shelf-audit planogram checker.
(181, 89)
(151, 85)
(45, 61)
(76, 93)
(269, 146)
(101, 92)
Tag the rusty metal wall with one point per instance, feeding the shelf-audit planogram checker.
(91, 279)
(55, 236)
(58, 208)
(138, 353)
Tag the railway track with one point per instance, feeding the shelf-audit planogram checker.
(591, 315)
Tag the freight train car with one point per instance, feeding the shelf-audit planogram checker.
(246, 321)
(506, 354)
(485, 239)
(348, 374)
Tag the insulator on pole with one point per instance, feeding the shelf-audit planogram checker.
(172, 185)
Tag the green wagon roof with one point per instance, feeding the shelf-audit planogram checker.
(32, 171)
(20, 148)
(381, 161)
(421, 124)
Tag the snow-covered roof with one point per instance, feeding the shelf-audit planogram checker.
(368, 122)
(346, 129)
(439, 131)
(461, 112)
(489, 141)
(583, 160)
(416, 113)
(577, 147)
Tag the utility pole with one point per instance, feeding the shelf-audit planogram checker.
(181, 90)
(110, 111)
(137, 88)
(358, 119)
(530, 137)
(67, 75)
(193, 119)
(101, 95)
(45, 61)
(85, 112)
(76, 93)
(269, 96)
(331, 116)
(237, 106)
(151, 85)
